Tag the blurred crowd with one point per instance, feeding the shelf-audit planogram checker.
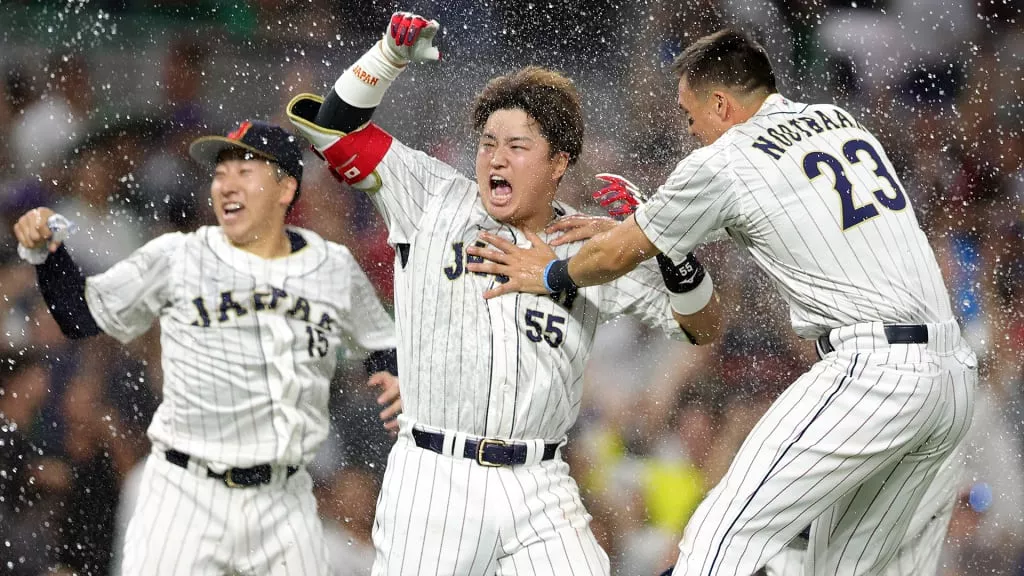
(98, 101)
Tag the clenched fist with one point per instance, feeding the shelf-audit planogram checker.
(32, 231)
(410, 38)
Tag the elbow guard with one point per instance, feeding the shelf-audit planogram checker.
(353, 157)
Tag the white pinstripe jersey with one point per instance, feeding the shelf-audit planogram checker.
(249, 344)
(509, 367)
(814, 199)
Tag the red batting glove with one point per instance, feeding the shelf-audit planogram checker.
(410, 38)
(619, 197)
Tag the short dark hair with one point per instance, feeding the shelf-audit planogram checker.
(548, 97)
(729, 58)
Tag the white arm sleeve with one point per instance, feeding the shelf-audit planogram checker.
(697, 199)
(367, 325)
(409, 180)
(126, 298)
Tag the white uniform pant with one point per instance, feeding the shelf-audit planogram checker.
(926, 534)
(446, 515)
(850, 448)
(185, 523)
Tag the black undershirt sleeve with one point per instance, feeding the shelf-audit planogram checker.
(382, 361)
(63, 287)
(337, 114)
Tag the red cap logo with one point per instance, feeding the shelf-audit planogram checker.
(239, 132)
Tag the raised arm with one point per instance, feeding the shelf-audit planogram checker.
(61, 281)
(339, 125)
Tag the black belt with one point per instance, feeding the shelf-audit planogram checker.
(486, 451)
(232, 477)
(894, 333)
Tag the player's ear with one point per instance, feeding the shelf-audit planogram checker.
(289, 186)
(561, 164)
(720, 104)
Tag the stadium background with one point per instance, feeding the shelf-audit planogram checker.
(98, 100)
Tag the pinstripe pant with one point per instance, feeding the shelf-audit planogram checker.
(448, 515)
(926, 534)
(185, 523)
(850, 448)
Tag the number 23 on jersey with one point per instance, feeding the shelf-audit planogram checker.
(852, 214)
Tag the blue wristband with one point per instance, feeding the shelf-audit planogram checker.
(547, 270)
(556, 277)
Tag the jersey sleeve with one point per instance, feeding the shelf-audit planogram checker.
(409, 180)
(126, 298)
(368, 325)
(698, 198)
(641, 294)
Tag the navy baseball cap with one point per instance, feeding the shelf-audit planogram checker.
(262, 139)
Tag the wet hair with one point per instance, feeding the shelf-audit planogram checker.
(729, 58)
(548, 97)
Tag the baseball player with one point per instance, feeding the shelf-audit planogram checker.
(853, 444)
(252, 316)
(475, 484)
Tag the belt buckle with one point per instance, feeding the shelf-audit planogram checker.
(228, 480)
(480, 451)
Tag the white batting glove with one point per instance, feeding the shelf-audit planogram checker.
(410, 38)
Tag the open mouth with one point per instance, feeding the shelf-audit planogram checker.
(501, 191)
(231, 209)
